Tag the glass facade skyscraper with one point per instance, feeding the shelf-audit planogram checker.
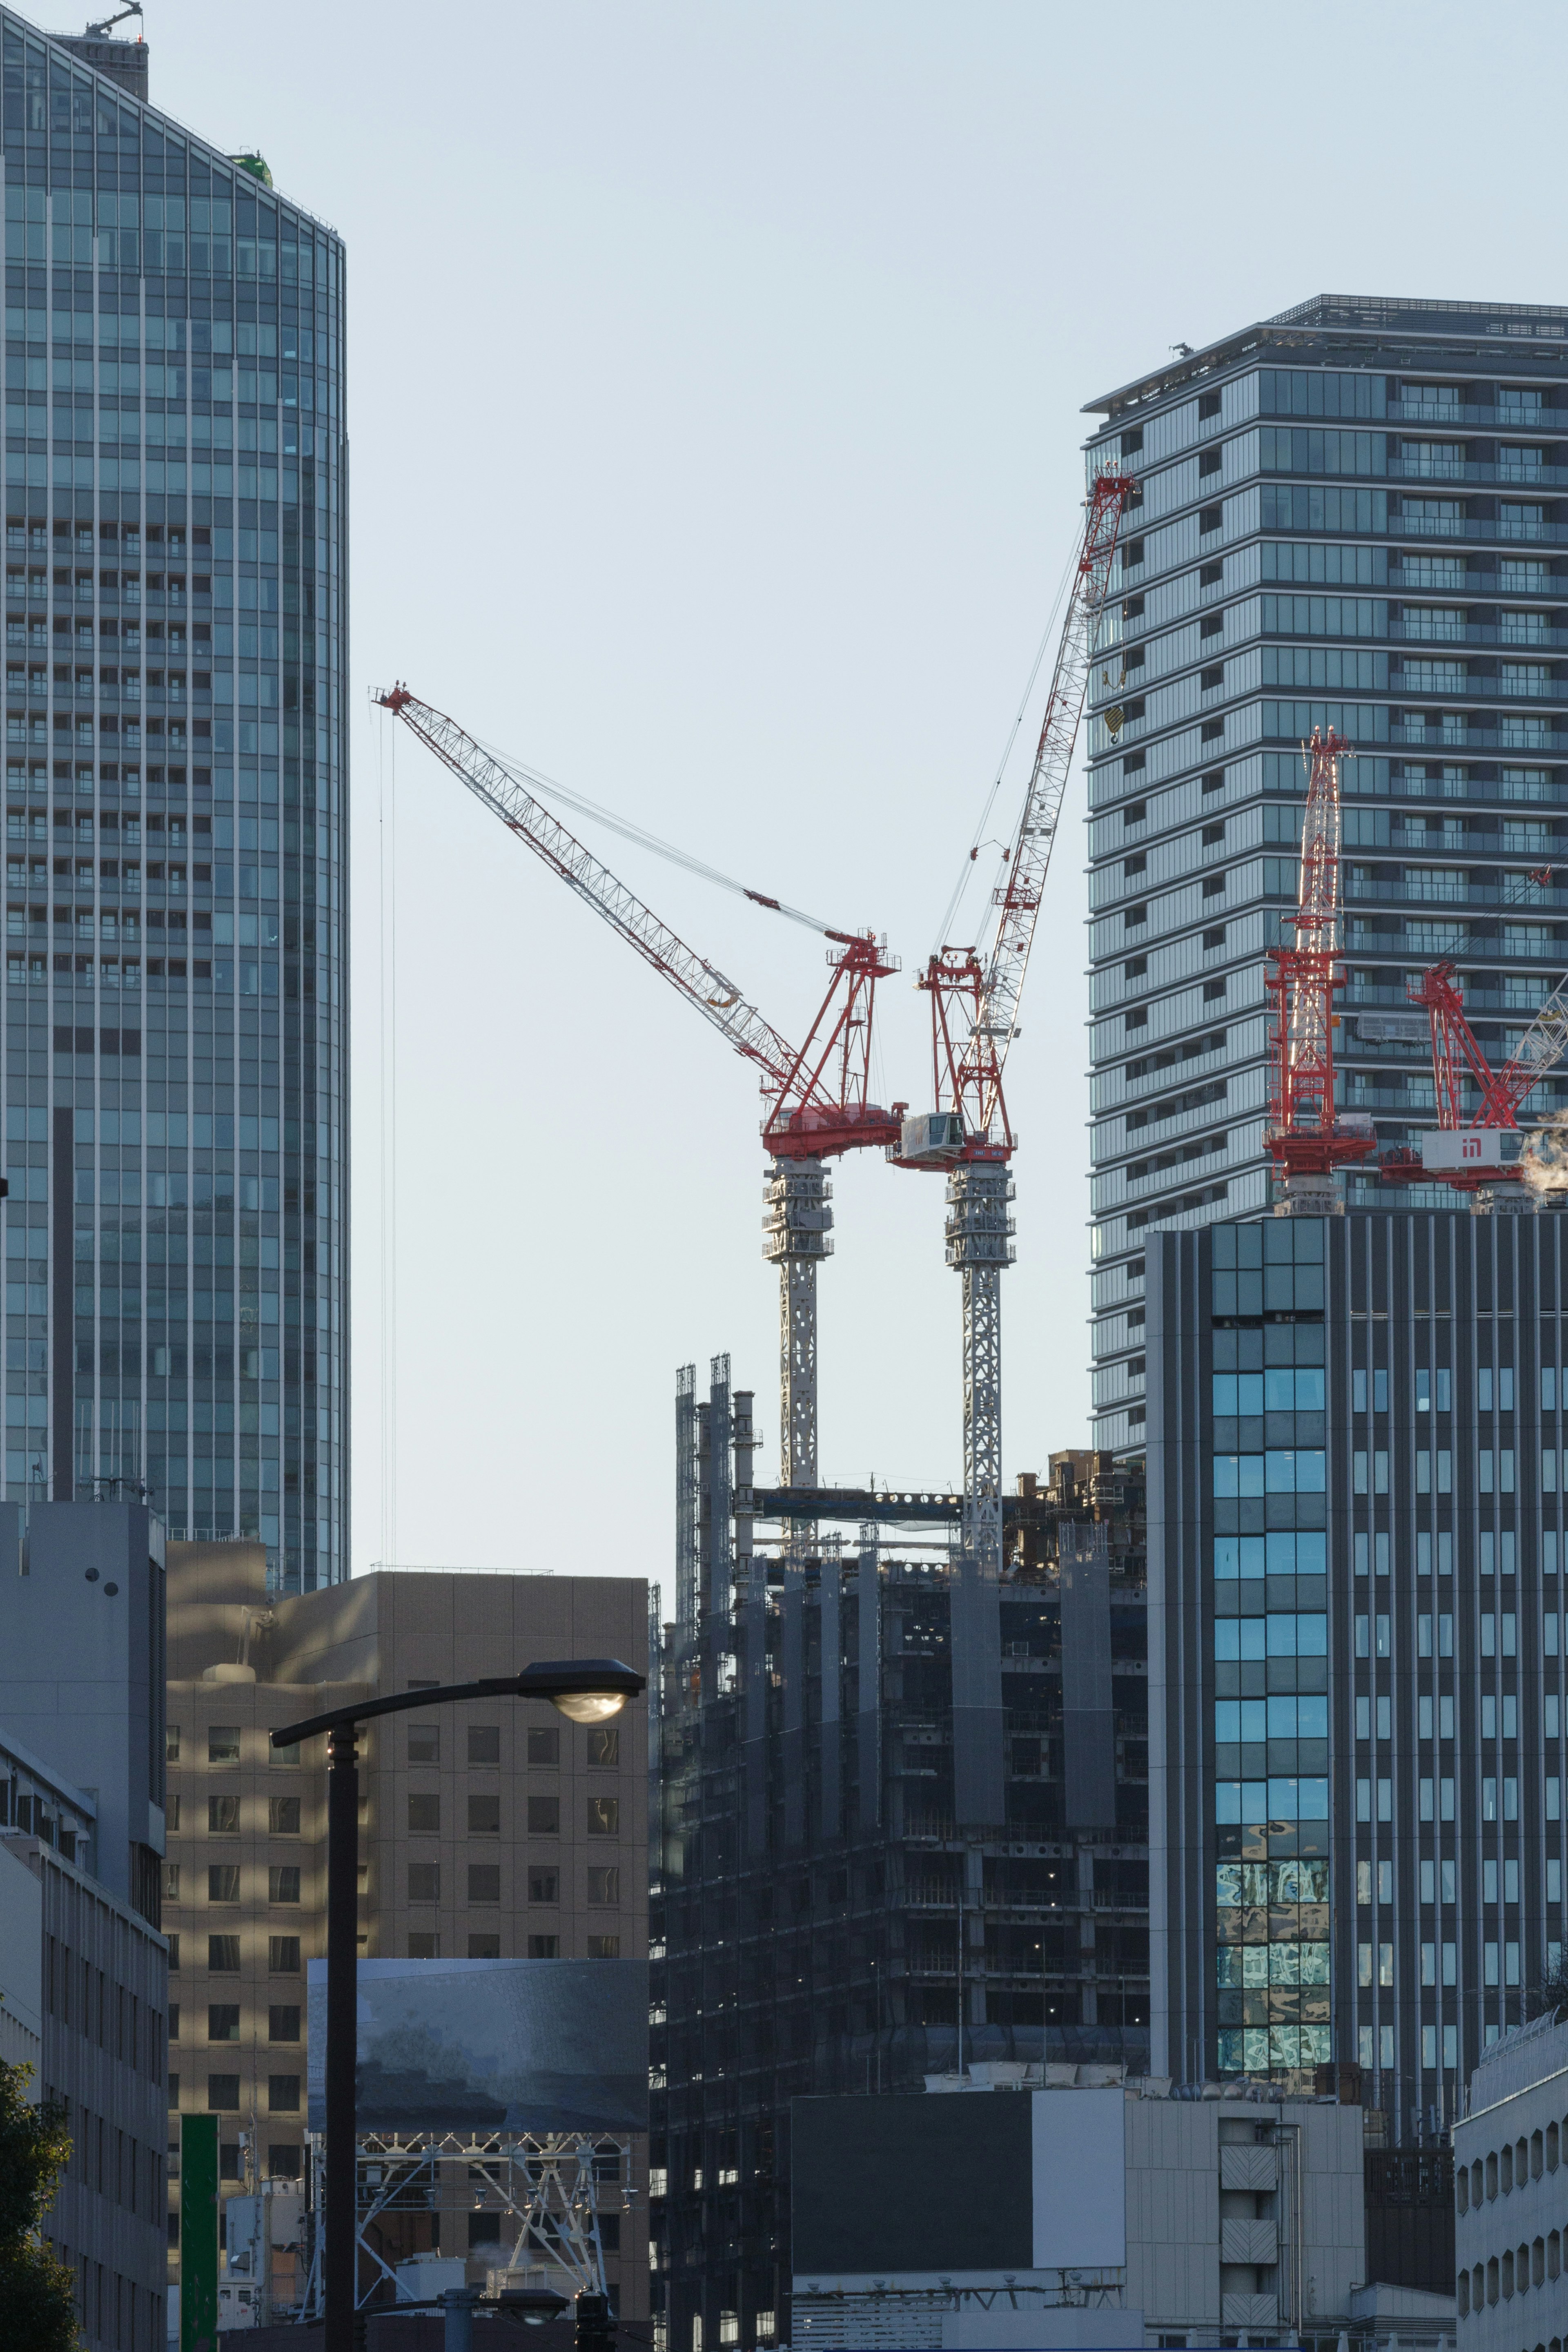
(1354, 515)
(176, 986)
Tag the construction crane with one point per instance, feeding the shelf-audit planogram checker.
(817, 1096)
(1308, 1139)
(974, 999)
(1456, 1154)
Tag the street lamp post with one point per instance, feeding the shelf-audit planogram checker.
(585, 1690)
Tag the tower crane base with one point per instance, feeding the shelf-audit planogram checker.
(1313, 1194)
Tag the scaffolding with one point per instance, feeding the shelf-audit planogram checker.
(548, 2192)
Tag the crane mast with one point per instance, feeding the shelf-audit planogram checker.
(817, 1096)
(1305, 1135)
(974, 1020)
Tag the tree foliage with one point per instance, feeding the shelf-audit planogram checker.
(37, 2292)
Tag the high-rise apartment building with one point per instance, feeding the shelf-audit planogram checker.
(1350, 515)
(1356, 1471)
(491, 1831)
(175, 1032)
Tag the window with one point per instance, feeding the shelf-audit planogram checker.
(171, 1743)
(1132, 553)
(604, 1817)
(424, 1882)
(1214, 886)
(173, 1943)
(223, 2021)
(544, 1886)
(1215, 935)
(1132, 608)
(484, 1816)
(1207, 406)
(1212, 989)
(484, 1947)
(1212, 677)
(1209, 518)
(1213, 834)
(544, 1745)
(171, 1882)
(1211, 625)
(223, 1816)
(1208, 463)
(1134, 812)
(1137, 863)
(222, 1882)
(172, 1813)
(1135, 968)
(1132, 440)
(1134, 917)
(283, 1956)
(283, 1816)
(544, 1947)
(1136, 1019)
(425, 1816)
(223, 2094)
(283, 2023)
(1211, 730)
(223, 1744)
(283, 1883)
(1211, 574)
(425, 1948)
(283, 2094)
(424, 1742)
(605, 1948)
(604, 1886)
(484, 1882)
(285, 2161)
(484, 1743)
(544, 1816)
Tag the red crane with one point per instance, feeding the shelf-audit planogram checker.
(974, 1020)
(818, 1095)
(1306, 1136)
(1469, 1165)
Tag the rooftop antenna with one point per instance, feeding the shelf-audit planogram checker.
(102, 31)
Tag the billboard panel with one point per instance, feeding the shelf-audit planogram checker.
(493, 2045)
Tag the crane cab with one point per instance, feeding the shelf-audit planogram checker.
(931, 1138)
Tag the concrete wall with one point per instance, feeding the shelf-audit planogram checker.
(83, 1668)
(1510, 2168)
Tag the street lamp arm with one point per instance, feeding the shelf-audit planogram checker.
(552, 1679)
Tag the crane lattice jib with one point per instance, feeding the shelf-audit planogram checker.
(1542, 1046)
(716, 998)
(1305, 1075)
(1019, 901)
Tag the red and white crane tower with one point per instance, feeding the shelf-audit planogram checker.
(817, 1096)
(1306, 1136)
(975, 996)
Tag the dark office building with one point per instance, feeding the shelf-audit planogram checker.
(821, 1920)
(1355, 1472)
(1353, 514)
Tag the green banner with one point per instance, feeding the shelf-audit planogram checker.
(198, 2233)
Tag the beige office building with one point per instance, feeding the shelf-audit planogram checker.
(494, 1830)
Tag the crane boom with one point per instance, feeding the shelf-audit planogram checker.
(716, 998)
(1018, 901)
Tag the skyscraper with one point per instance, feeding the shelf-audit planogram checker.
(1355, 1444)
(1348, 515)
(174, 1055)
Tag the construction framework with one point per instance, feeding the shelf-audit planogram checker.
(547, 2189)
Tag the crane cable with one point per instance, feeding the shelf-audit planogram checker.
(535, 779)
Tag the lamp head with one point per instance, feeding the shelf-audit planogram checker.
(585, 1690)
(589, 1706)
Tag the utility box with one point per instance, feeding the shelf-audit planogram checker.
(428, 2275)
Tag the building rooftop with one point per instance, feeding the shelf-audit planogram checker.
(1450, 329)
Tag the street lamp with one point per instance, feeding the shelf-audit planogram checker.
(585, 1690)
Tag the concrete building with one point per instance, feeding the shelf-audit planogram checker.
(1355, 1448)
(824, 1920)
(490, 1831)
(1510, 2149)
(1111, 2214)
(82, 1670)
(174, 1050)
(1350, 514)
(83, 1968)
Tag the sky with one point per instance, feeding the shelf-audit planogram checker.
(715, 400)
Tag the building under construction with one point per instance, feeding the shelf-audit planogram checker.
(826, 1914)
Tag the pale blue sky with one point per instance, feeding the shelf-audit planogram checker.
(715, 389)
